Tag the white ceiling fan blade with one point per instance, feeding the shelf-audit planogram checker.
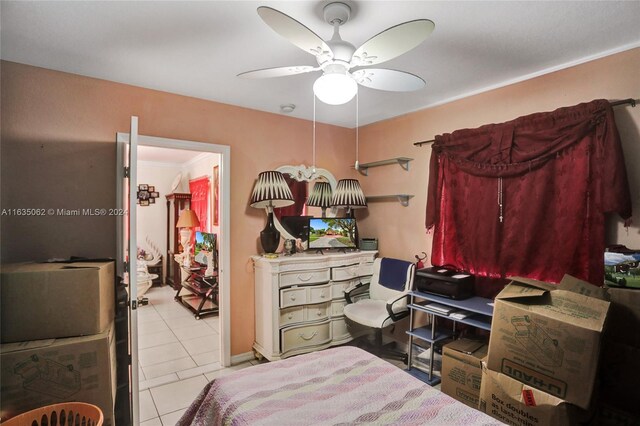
(390, 80)
(278, 72)
(294, 31)
(392, 42)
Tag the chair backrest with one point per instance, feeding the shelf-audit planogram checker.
(391, 279)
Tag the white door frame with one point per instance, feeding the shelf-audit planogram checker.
(224, 275)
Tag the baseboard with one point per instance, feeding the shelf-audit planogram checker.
(240, 358)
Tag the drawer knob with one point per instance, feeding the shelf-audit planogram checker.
(290, 316)
(305, 278)
(319, 313)
(322, 295)
(292, 297)
(314, 334)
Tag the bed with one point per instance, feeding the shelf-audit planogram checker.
(343, 385)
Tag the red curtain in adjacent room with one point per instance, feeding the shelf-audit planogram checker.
(550, 176)
(200, 190)
(299, 192)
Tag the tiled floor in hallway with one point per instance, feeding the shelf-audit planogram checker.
(178, 355)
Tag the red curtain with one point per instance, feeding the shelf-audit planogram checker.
(550, 176)
(199, 189)
(299, 192)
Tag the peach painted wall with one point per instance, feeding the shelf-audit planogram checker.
(401, 229)
(58, 151)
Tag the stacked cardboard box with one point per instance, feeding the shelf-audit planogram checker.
(58, 336)
(462, 370)
(544, 352)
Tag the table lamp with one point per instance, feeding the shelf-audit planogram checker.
(186, 222)
(270, 190)
(349, 195)
(320, 196)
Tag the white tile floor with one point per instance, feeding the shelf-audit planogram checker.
(178, 356)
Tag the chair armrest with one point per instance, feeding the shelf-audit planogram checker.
(356, 288)
(396, 316)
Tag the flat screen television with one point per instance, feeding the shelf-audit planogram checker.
(332, 233)
(298, 227)
(205, 243)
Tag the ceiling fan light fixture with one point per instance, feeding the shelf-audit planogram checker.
(335, 88)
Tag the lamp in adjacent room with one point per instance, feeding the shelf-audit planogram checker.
(270, 190)
(186, 222)
(320, 196)
(349, 195)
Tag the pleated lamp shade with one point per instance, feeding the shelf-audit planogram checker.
(188, 219)
(348, 194)
(271, 190)
(320, 195)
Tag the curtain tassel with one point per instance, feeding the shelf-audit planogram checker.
(500, 199)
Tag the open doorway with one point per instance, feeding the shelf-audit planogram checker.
(127, 243)
(178, 315)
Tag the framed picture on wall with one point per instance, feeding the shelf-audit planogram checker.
(216, 192)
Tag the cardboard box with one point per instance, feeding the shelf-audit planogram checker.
(624, 316)
(43, 372)
(53, 300)
(548, 336)
(462, 370)
(515, 403)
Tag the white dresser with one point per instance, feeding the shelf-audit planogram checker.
(300, 299)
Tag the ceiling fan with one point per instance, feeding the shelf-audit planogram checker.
(336, 58)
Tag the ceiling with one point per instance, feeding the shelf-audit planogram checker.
(177, 157)
(197, 48)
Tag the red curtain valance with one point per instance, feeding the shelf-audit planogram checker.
(549, 177)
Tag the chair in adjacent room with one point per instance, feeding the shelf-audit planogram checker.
(391, 282)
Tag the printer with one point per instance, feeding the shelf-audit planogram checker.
(445, 282)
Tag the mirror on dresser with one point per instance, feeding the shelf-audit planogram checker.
(301, 180)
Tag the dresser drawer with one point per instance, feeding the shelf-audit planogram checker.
(320, 293)
(352, 271)
(338, 287)
(305, 335)
(313, 276)
(291, 315)
(299, 314)
(295, 296)
(339, 329)
(317, 312)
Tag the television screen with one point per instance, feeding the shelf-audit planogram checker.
(298, 227)
(205, 243)
(329, 233)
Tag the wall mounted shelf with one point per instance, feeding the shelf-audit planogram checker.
(402, 198)
(401, 161)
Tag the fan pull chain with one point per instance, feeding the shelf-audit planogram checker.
(357, 130)
(500, 198)
(314, 134)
